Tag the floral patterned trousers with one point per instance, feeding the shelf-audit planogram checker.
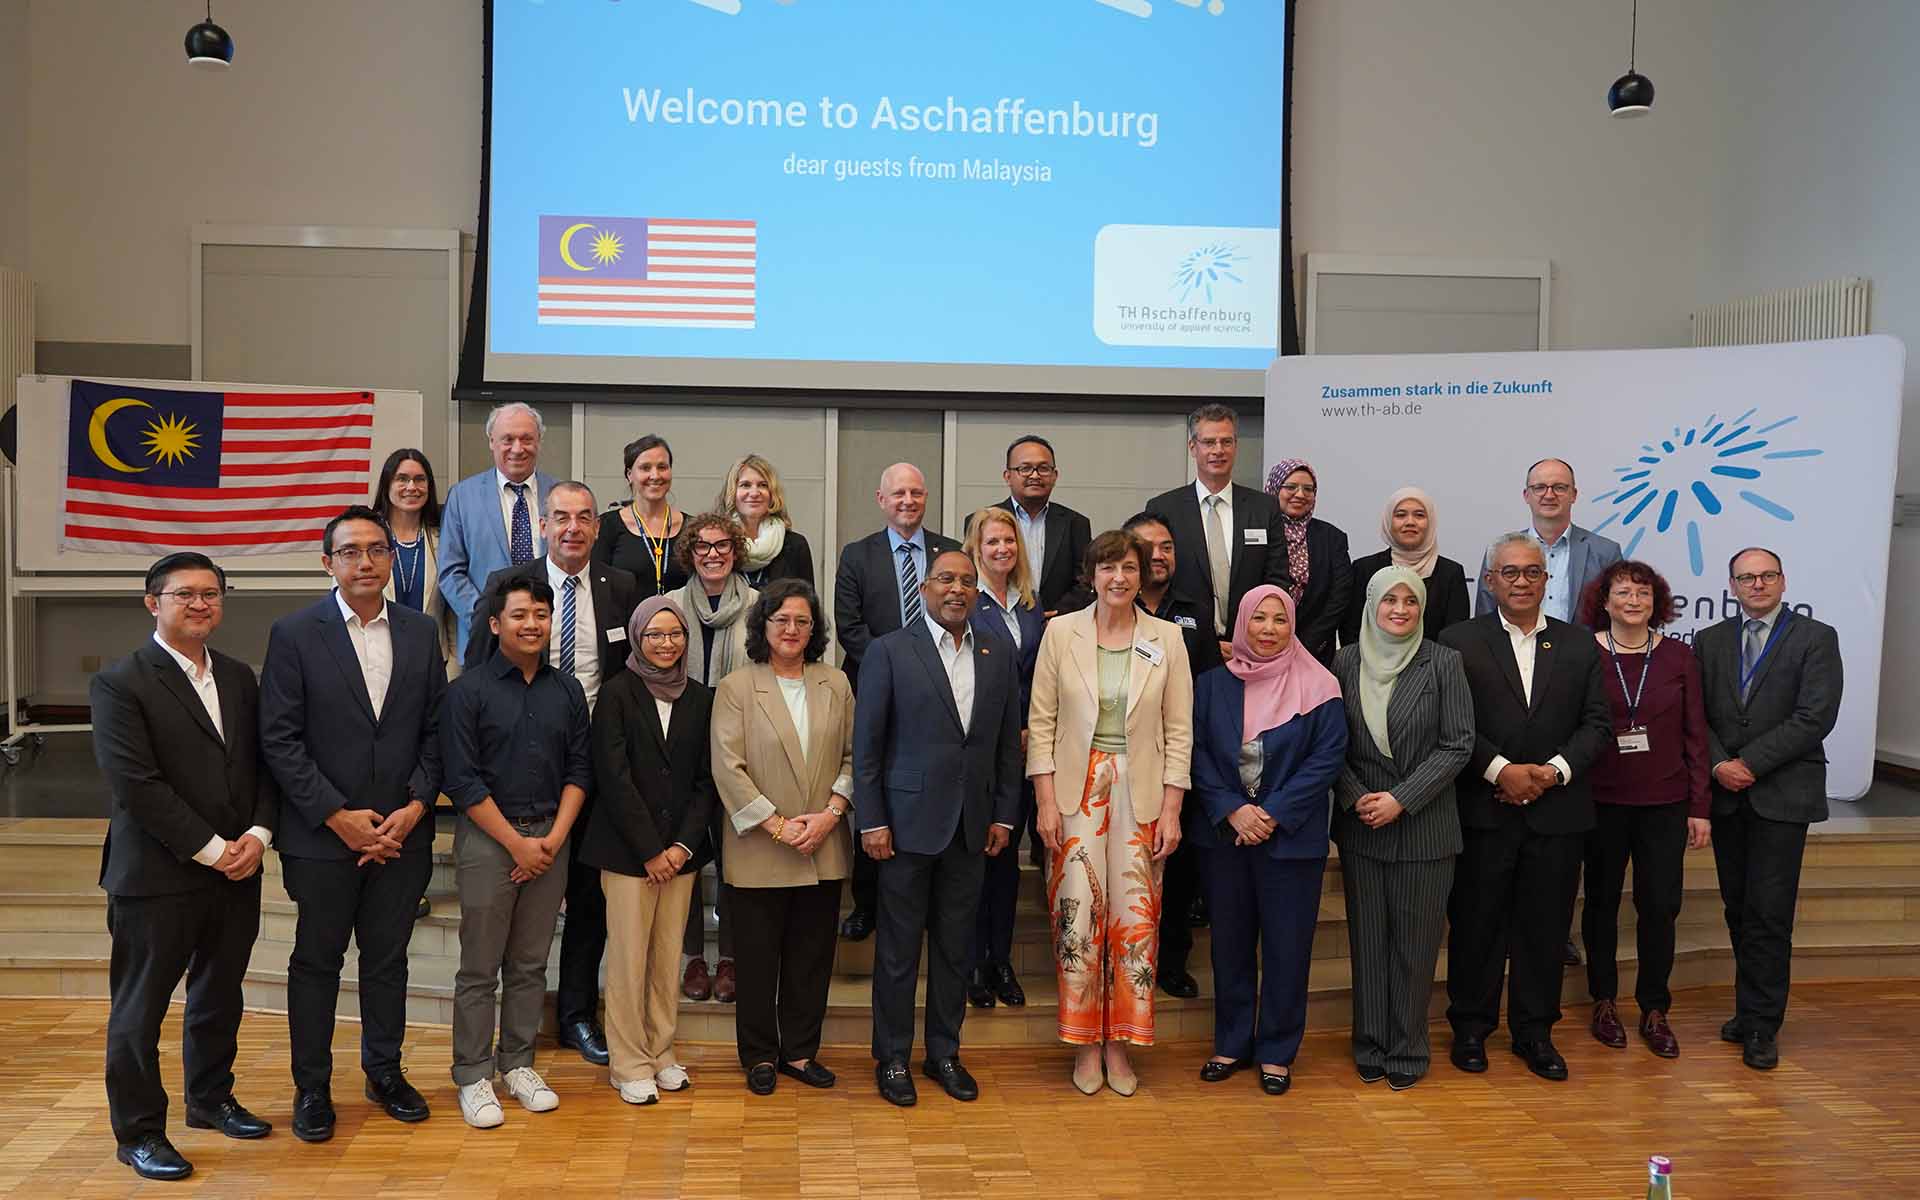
(1103, 890)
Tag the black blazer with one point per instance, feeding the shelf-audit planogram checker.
(866, 594)
(1568, 717)
(1252, 564)
(615, 596)
(1780, 732)
(1033, 626)
(1329, 588)
(795, 561)
(1430, 727)
(1447, 599)
(319, 736)
(652, 788)
(175, 782)
(914, 770)
(1068, 534)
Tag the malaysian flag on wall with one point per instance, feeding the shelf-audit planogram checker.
(647, 271)
(151, 471)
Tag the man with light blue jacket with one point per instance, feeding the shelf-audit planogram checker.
(1574, 555)
(492, 519)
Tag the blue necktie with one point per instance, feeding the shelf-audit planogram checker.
(520, 547)
(567, 595)
(1751, 657)
(909, 586)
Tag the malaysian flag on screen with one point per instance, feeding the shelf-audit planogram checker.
(646, 271)
(151, 471)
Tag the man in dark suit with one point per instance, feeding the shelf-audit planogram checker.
(592, 602)
(876, 590)
(1230, 537)
(1055, 536)
(1540, 721)
(175, 731)
(1772, 681)
(937, 775)
(349, 725)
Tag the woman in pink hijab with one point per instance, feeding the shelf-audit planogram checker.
(1269, 736)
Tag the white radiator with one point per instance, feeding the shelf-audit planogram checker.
(16, 332)
(1836, 308)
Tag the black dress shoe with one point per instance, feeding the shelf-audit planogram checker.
(949, 1074)
(1761, 1051)
(858, 926)
(760, 1079)
(1006, 987)
(153, 1157)
(1542, 1059)
(1179, 983)
(813, 1074)
(1400, 1081)
(401, 1099)
(1370, 1073)
(979, 990)
(1734, 1031)
(229, 1118)
(1469, 1054)
(423, 909)
(1275, 1085)
(585, 1037)
(1220, 1072)
(1570, 954)
(313, 1115)
(896, 1083)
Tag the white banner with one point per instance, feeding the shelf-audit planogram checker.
(1682, 456)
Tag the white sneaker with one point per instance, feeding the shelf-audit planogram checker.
(673, 1078)
(480, 1106)
(638, 1091)
(526, 1086)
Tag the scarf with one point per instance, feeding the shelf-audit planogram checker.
(1421, 558)
(666, 683)
(1382, 655)
(1280, 688)
(728, 650)
(765, 546)
(1297, 565)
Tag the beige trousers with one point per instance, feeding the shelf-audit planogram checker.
(645, 923)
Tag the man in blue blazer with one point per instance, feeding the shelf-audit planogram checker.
(349, 725)
(492, 520)
(937, 773)
(1575, 556)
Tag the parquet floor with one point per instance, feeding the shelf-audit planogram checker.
(1839, 1118)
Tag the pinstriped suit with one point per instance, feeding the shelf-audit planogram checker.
(1396, 878)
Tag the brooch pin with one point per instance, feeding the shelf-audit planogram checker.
(1546, 645)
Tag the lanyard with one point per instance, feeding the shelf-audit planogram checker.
(1747, 677)
(657, 553)
(1646, 664)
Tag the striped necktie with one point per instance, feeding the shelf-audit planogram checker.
(910, 608)
(567, 614)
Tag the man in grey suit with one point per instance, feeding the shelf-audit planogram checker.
(1772, 681)
(492, 519)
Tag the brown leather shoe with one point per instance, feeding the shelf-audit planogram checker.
(1606, 1026)
(1658, 1035)
(696, 984)
(723, 988)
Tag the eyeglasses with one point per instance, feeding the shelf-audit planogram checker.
(1515, 574)
(801, 623)
(664, 637)
(211, 597)
(1767, 577)
(410, 480)
(1033, 470)
(704, 549)
(1300, 489)
(948, 579)
(1557, 489)
(379, 552)
(1216, 443)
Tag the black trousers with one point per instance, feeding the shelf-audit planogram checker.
(205, 935)
(1654, 838)
(1000, 895)
(936, 895)
(1510, 910)
(1759, 865)
(694, 943)
(866, 878)
(375, 906)
(583, 936)
(1179, 885)
(1264, 911)
(783, 945)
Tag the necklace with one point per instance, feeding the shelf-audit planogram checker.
(657, 551)
(1633, 649)
(400, 563)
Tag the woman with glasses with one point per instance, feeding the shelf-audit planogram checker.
(1316, 558)
(409, 501)
(1411, 529)
(653, 796)
(751, 495)
(637, 536)
(783, 764)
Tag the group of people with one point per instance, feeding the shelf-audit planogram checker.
(1177, 717)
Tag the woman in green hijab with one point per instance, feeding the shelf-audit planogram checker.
(1409, 731)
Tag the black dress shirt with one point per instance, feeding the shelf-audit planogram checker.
(516, 741)
(1196, 629)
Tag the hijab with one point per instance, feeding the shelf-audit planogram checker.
(1296, 530)
(1280, 688)
(1421, 558)
(666, 683)
(1382, 655)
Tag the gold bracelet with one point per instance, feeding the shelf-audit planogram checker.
(779, 831)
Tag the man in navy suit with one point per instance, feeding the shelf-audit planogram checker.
(937, 774)
(349, 724)
(492, 519)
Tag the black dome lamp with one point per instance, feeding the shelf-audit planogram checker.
(208, 45)
(1632, 94)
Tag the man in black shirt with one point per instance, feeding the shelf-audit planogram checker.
(518, 764)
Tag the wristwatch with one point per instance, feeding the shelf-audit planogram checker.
(837, 812)
(1559, 776)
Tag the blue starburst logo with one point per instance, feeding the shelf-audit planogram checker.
(1693, 468)
(1203, 268)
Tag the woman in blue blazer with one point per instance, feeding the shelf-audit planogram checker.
(999, 553)
(1269, 736)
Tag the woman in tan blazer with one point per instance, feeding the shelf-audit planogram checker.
(1109, 740)
(783, 764)
(409, 501)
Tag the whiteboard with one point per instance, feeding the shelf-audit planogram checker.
(42, 471)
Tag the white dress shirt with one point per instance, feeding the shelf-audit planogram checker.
(755, 812)
(505, 495)
(665, 709)
(1033, 535)
(1526, 644)
(200, 677)
(957, 657)
(586, 631)
(1226, 507)
(1006, 610)
(373, 646)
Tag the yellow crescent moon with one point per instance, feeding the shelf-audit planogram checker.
(566, 255)
(97, 431)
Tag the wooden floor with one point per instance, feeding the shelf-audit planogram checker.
(1839, 1118)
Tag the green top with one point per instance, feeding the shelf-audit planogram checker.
(1110, 731)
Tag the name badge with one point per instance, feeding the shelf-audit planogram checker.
(1633, 741)
(1185, 622)
(1152, 653)
(1256, 537)
(616, 635)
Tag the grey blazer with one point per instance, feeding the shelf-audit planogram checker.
(1588, 554)
(1780, 732)
(1430, 726)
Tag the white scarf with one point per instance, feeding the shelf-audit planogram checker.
(765, 546)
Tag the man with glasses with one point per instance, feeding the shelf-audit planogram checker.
(1772, 681)
(1574, 555)
(591, 604)
(1054, 535)
(176, 734)
(349, 724)
(491, 519)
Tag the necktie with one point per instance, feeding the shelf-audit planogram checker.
(1750, 655)
(520, 546)
(567, 613)
(909, 587)
(1219, 558)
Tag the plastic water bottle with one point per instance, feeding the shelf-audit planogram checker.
(1659, 1178)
